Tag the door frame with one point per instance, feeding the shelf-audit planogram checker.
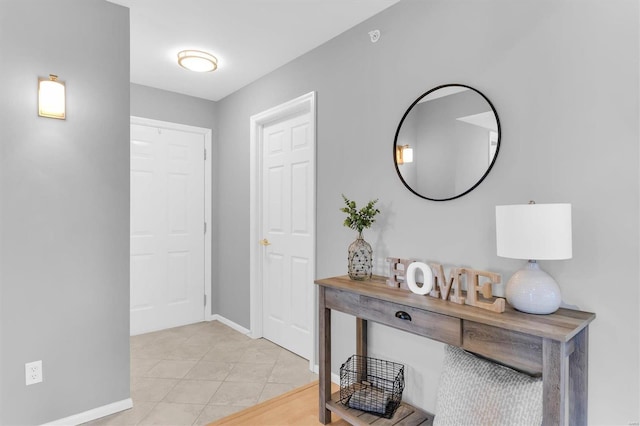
(208, 202)
(303, 104)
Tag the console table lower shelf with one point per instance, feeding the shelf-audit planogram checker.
(406, 414)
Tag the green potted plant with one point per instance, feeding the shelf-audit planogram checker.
(360, 254)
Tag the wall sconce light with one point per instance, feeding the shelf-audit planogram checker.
(51, 97)
(196, 60)
(404, 154)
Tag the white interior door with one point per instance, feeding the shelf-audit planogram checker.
(287, 223)
(167, 228)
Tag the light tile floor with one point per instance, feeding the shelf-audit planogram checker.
(195, 374)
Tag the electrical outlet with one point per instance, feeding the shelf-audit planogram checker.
(33, 372)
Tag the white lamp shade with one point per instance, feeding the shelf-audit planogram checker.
(534, 231)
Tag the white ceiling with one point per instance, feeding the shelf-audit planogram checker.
(250, 38)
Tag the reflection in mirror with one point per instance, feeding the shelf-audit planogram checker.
(447, 142)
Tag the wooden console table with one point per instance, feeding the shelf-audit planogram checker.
(555, 346)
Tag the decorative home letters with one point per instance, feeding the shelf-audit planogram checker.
(443, 285)
(450, 287)
(473, 287)
(411, 278)
(397, 270)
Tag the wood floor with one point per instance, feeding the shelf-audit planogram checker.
(298, 407)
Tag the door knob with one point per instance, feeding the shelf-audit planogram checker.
(265, 242)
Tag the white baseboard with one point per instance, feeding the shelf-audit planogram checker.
(334, 377)
(230, 323)
(93, 414)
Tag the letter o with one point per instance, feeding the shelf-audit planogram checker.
(411, 278)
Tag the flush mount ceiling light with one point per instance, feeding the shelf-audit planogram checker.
(197, 60)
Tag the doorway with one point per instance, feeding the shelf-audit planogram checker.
(282, 254)
(170, 245)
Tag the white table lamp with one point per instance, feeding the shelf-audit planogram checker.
(534, 232)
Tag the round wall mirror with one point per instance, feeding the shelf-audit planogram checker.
(446, 142)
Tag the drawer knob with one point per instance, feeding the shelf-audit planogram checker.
(403, 316)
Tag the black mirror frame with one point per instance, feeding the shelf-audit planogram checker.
(395, 142)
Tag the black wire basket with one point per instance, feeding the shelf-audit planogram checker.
(371, 385)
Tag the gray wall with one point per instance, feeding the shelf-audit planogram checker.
(64, 259)
(158, 104)
(563, 76)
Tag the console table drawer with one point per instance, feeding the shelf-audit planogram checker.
(439, 327)
(520, 351)
(424, 323)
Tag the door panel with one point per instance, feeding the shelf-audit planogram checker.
(300, 199)
(143, 273)
(287, 191)
(299, 273)
(167, 228)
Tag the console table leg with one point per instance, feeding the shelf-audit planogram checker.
(324, 354)
(554, 374)
(361, 347)
(361, 337)
(578, 376)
